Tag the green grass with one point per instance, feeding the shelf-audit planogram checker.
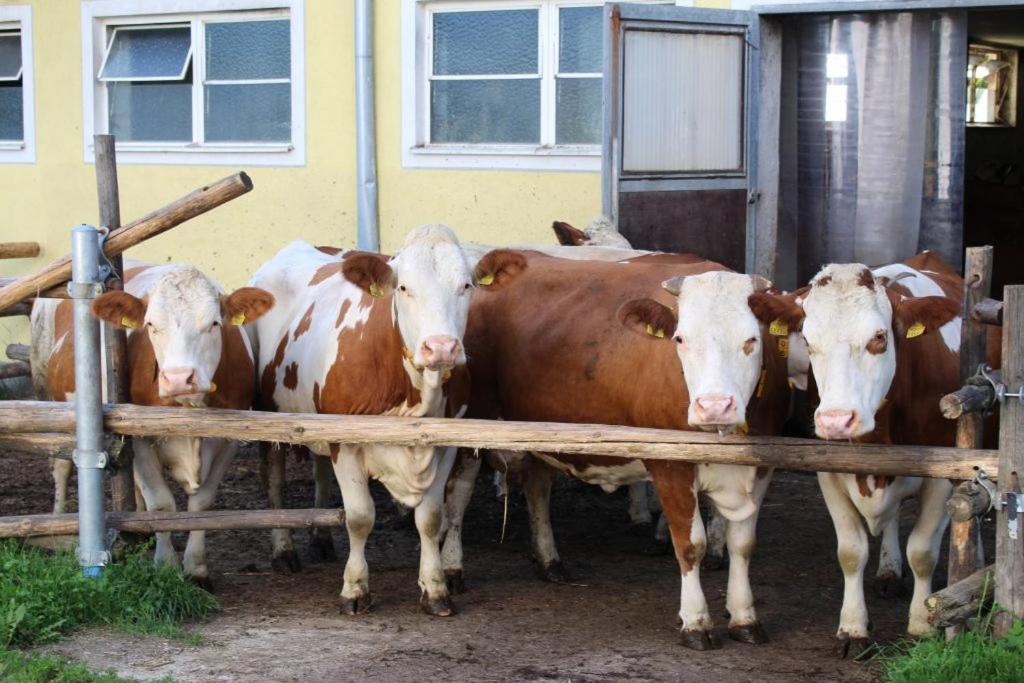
(17, 667)
(971, 657)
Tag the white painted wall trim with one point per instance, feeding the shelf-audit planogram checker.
(23, 152)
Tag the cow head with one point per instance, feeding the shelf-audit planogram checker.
(717, 337)
(183, 314)
(852, 323)
(430, 283)
(600, 233)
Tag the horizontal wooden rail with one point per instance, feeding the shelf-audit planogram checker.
(959, 602)
(50, 445)
(19, 249)
(23, 308)
(14, 368)
(629, 442)
(150, 522)
(989, 311)
(19, 352)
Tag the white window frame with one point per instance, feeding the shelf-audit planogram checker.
(19, 18)
(99, 16)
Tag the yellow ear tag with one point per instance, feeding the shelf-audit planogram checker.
(915, 330)
(213, 387)
(778, 328)
(238, 319)
(660, 334)
(129, 323)
(783, 346)
(375, 290)
(486, 279)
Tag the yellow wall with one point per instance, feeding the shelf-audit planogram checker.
(315, 202)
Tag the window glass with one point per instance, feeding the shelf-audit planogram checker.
(246, 50)
(579, 40)
(482, 111)
(486, 42)
(150, 112)
(249, 112)
(12, 126)
(578, 120)
(148, 53)
(10, 57)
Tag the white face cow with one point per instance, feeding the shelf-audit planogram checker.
(432, 285)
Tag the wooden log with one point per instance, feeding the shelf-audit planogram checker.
(960, 601)
(988, 311)
(19, 352)
(969, 500)
(163, 219)
(49, 445)
(1010, 551)
(58, 292)
(973, 398)
(14, 368)
(153, 521)
(627, 442)
(19, 249)
(23, 308)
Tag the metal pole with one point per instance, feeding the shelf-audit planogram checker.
(368, 233)
(89, 455)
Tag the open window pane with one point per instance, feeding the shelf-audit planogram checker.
(151, 112)
(247, 50)
(682, 102)
(486, 42)
(499, 111)
(10, 57)
(11, 116)
(257, 112)
(579, 40)
(578, 120)
(148, 53)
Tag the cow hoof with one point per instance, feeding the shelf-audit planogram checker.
(355, 606)
(657, 548)
(555, 573)
(890, 587)
(441, 606)
(752, 634)
(714, 563)
(851, 648)
(286, 563)
(453, 579)
(699, 639)
(203, 582)
(321, 549)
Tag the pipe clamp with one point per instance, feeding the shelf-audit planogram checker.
(95, 460)
(84, 290)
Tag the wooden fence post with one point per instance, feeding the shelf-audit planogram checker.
(966, 554)
(115, 340)
(1009, 590)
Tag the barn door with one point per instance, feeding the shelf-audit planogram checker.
(678, 168)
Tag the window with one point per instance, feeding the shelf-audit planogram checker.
(502, 84)
(991, 86)
(17, 142)
(208, 87)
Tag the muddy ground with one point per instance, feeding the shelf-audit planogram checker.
(616, 622)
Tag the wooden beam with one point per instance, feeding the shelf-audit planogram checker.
(19, 250)
(163, 219)
(960, 601)
(23, 308)
(969, 500)
(151, 522)
(627, 442)
(972, 398)
(19, 352)
(49, 445)
(14, 368)
(988, 311)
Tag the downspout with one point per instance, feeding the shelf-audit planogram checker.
(368, 232)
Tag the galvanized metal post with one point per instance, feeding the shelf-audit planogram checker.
(367, 234)
(89, 456)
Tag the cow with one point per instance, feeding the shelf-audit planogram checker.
(356, 333)
(600, 233)
(884, 348)
(551, 339)
(185, 348)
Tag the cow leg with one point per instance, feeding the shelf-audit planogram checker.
(149, 477)
(923, 549)
(283, 558)
(458, 491)
(321, 543)
(537, 480)
(217, 455)
(739, 601)
(677, 487)
(359, 518)
(852, 552)
(639, 505)
(429, 515)
(717, 530)
(61, 475)
(889, 578)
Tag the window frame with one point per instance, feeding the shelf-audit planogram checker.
(1013, 56)
(19, 18)
(101, 16)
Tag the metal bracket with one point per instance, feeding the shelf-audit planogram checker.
(84, 290)
(998, 387)
(982, 480)
(1013, 501)
(98, 558)
(106, 267)
(96, 460)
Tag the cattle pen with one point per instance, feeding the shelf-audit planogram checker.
(990, 476)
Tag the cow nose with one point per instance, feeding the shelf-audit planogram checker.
(178, 381)
(836, 424)
(715, 409)
(440, 351)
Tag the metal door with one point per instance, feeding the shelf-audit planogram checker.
(678, 170)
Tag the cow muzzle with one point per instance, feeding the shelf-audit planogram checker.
(440, 352)
(714, 410)
(174, 382)
(836, 424)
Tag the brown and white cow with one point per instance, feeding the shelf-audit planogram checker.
(185, 348)
(882, 354)
(355, 333)
(599, 342)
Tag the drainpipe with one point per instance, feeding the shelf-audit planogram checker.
(368, 232)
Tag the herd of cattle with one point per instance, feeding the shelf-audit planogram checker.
(588, 332)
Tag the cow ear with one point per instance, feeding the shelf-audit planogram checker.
(782, 309)
(918, 315)
(370, 272)
(649, 318)
(569, 236)
(120, 309)
(498, 267)
(246, 305)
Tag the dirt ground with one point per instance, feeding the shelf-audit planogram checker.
(616, 622)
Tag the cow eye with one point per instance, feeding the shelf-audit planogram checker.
(878, 342)
(402, 288)
(468, 286)
(749, 345)
(678, 338)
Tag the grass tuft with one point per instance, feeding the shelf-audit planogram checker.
(970, 657)
(18, 667)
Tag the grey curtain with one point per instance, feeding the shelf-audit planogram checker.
(873, 138)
